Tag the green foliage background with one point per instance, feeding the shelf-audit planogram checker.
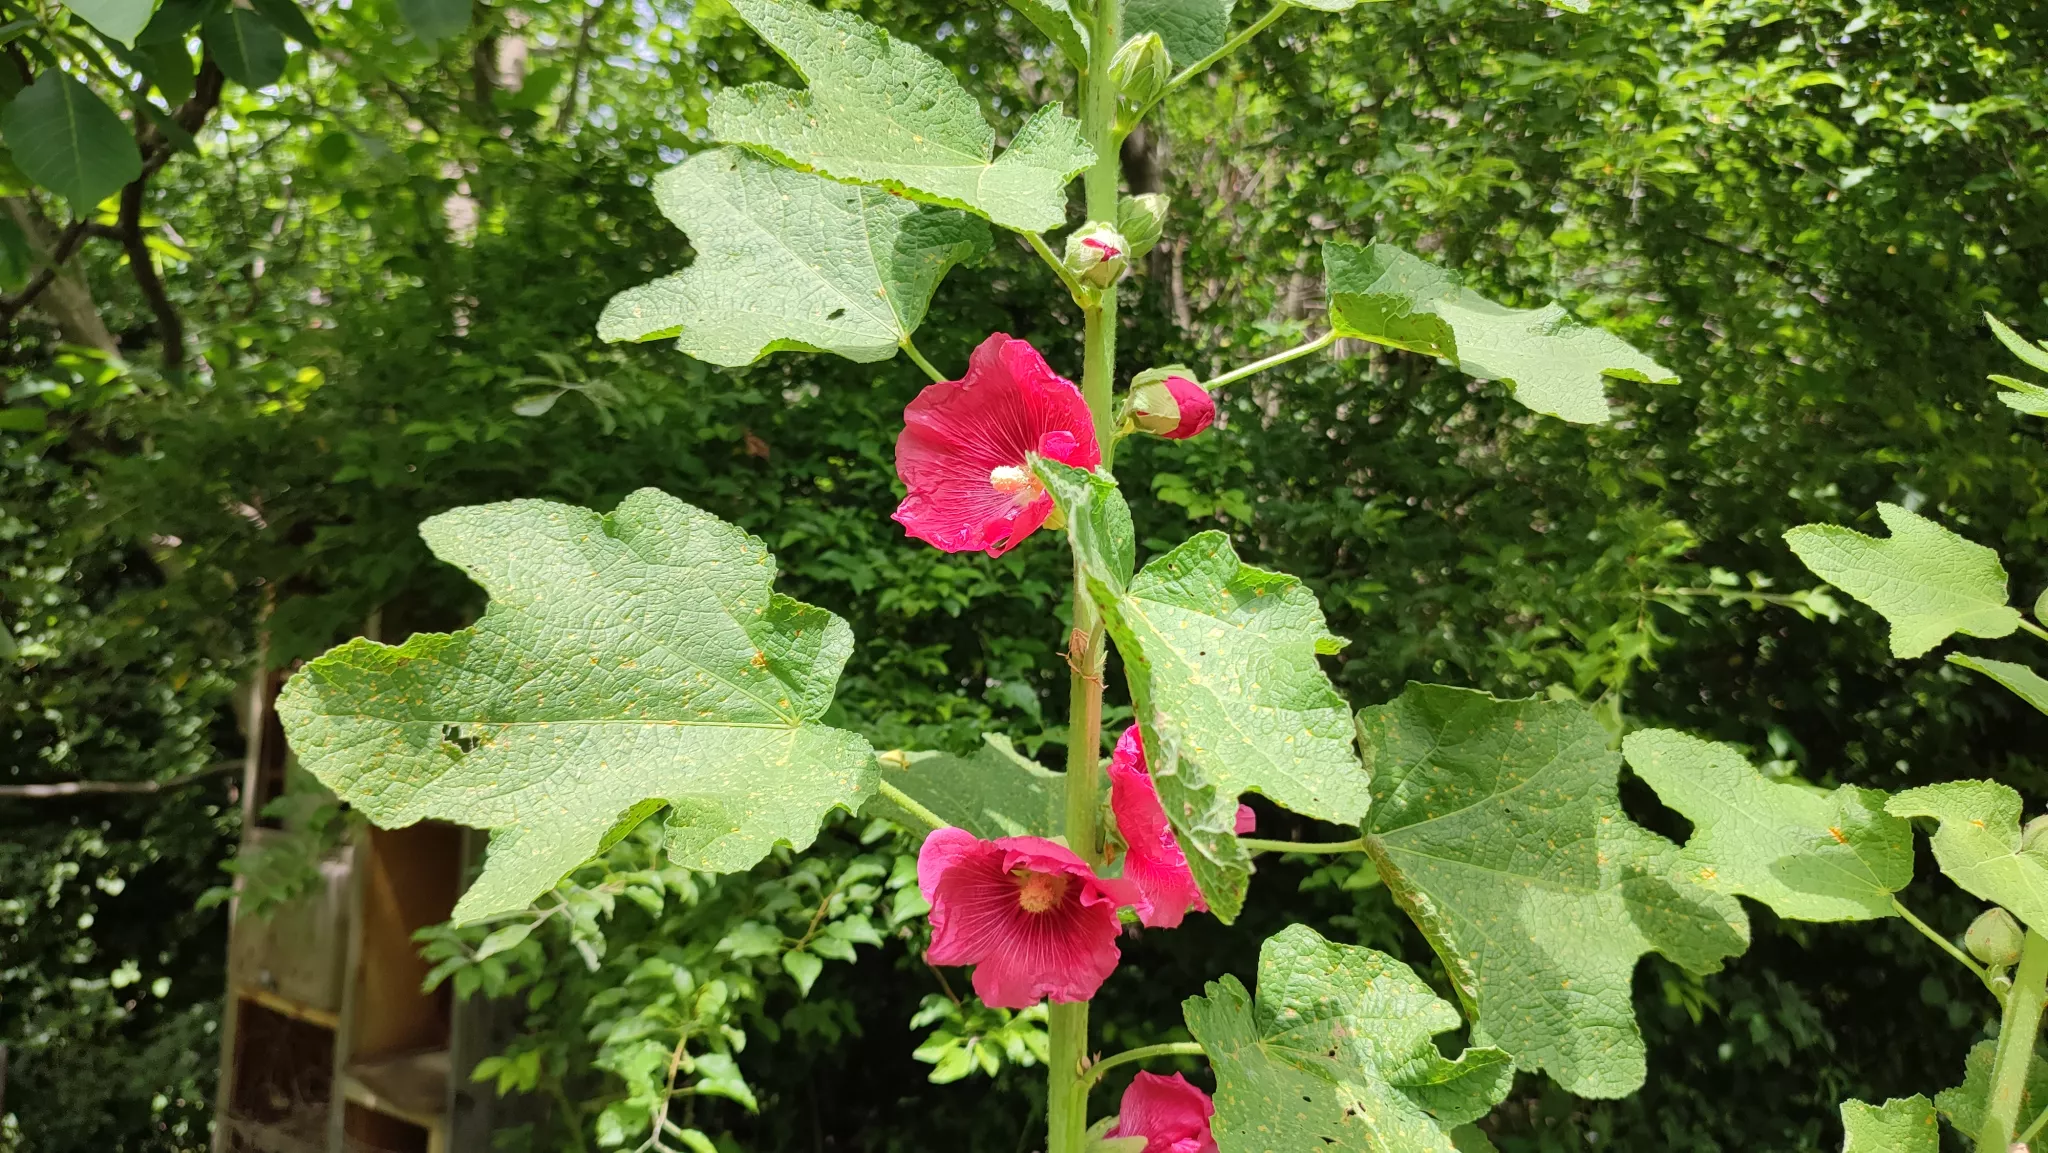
(1801, 206)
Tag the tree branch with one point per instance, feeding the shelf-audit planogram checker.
(170, 327)
(103, 788)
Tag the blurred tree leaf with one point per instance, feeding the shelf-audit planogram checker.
(67, 140)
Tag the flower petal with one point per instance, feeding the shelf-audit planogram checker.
(1153, 863)
(1009, 405)
(1172, 1115)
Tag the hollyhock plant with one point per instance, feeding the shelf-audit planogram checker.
(1170, 1114)
(965, 449)
(1029, 915)
(1156, 880)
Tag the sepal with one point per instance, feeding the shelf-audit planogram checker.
(1142, 219)
(1142, 68)
(1169, 402)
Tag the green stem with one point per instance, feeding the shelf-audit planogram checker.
(1949, 947)
(2031, 627)
(918, 359)
(1170, 1049)
(1059, 267)
(1066, 1094)
(2026, 1136)
(1257, 846)
(1274, 361)
(2016, 1038)
(909, 804)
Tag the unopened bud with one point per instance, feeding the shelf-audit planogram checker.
(1141, 219)
(1097, 254)
(1142, 68)
(2032, 833)
(1168, 402)
(1994, 938)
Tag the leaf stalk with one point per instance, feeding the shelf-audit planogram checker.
(1253, 844)
(1947, 946)
(1274, 361)
(909, 804)
(917, 358)
(1143, 1053)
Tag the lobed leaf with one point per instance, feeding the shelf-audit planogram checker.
(626, 661)
(789, 261)
(1964, 1104)
(2025, 683)
(881, 111)
(1192, 29)
(1497, 827)
(1055, 18)
(996, 792)
(1221, 660)
(1926, 581)
(1551, 362)
(1809, 855)
(1901, 1125)
(1337, 1054)
(1977, 843)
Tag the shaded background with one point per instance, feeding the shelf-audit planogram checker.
(1802, 207)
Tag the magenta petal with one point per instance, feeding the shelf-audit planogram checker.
(1197, 407)
(1170, 1114)
(1153, 861)
(1021, 955)
(957, 432)
(1247, 821)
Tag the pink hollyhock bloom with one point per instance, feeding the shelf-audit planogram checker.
(1170, 1114)
(1029, 915)
(965, 448)
(1170, 405)
(1156, 879)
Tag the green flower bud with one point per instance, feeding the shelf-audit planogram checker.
(1141, 219)
(1994, 938)
(2033, 832)
(1142, 68)
(1097, 254)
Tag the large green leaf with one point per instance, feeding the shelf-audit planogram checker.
(2027, 684)
(1963, 1105)
(1901, 1125)
(122, 20)
(1496, 825)
(881, 111)
(1926, 581)
(1977, 843)
(626, 661)
(1809, 855)
(1221, 659)
(1337, 1055)
(1192, 29)
(1553, 363)
(248, 48)
(791, 261)
(67, 140)
(997, 792)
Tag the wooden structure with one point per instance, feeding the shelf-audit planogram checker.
(328, 1044)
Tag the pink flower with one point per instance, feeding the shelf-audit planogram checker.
(1170, 1114)
(1166, 403)
(1029, 915)
(1156, 879)
(965, 449)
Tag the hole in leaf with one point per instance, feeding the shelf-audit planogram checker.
(836, 313)
(456, 736)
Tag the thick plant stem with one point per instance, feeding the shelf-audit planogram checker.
(2016, 1037)
(1066, 1091)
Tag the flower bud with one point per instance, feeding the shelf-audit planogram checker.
(1142, 68)
(1141, 219)
(1168, 402)
(2031, 834)
(1994, 938)
(1098, 255)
